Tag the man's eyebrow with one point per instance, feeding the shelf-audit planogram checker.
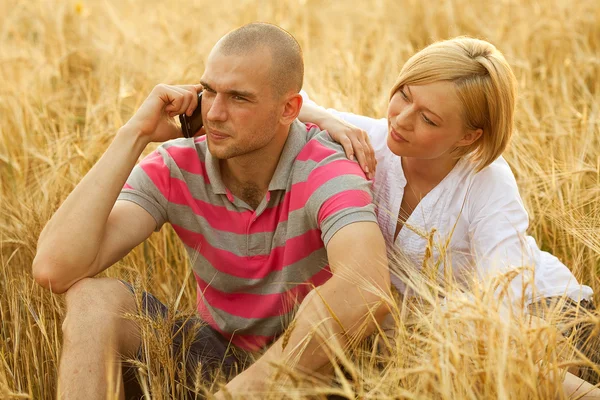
(425, 108)
(232, 92)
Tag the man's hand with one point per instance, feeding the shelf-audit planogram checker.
(155, 121)
(249, 383)
(90, 219)
(346, 306)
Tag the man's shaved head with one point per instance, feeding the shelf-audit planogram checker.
(287, 64)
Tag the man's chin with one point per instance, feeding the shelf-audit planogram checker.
(218, 152)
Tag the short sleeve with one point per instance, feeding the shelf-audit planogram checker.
(337, 191)
(498, 225)
(148, 186)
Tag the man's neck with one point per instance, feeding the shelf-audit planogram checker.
(248, 176)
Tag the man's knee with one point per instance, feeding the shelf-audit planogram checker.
(97, 306)
(99, 295)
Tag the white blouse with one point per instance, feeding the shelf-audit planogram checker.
(475, 221)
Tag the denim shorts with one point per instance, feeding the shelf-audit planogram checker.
(194, 343)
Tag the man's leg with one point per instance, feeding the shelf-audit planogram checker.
(95, 334)
(208, 356)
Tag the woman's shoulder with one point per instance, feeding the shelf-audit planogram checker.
(493, 186)
(497, 175)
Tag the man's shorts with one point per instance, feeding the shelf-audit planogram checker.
(205, 352)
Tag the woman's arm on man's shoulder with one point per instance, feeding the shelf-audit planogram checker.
(362, 137)
(365, 123)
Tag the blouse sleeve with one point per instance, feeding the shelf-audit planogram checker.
(498, 225)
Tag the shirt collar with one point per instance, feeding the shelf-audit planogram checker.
(297, 138)
(213, 170)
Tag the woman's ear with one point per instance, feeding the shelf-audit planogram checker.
(470, 137)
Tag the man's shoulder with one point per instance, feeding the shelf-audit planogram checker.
(320, 148)
(323, 160)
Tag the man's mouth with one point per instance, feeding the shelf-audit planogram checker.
(215, 135)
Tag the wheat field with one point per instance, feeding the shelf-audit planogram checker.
(72, 72)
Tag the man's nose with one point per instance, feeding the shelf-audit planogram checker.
(217, 109)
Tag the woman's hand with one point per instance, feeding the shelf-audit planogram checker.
(355, 141)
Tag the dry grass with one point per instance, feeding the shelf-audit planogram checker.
(71, 73)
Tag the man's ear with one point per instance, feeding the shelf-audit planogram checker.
(470, 137)
(291, 109)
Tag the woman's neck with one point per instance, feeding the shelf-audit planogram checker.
(429, 172)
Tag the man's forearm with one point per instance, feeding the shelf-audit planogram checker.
(74, 234)
(331, 313)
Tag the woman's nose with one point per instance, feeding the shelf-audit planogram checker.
(404, 118)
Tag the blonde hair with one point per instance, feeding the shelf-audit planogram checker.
(485, 84)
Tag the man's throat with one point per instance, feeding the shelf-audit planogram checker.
(249, 192)
(252, 195)
(244, 187)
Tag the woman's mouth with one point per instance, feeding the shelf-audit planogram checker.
(397, 137)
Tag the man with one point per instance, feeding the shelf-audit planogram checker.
(266, 207)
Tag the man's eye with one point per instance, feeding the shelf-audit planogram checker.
(239, 98)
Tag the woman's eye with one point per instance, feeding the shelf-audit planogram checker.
(428, 121)
(404, 96)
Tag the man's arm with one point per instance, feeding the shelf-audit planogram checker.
(89, 232)
(346, 306)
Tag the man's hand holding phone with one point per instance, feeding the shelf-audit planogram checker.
(191, 124)
(155, 121)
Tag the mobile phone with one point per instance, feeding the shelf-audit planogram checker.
(192, 124)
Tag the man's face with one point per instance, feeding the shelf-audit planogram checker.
(239, 108)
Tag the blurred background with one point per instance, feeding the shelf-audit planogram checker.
(73, 72)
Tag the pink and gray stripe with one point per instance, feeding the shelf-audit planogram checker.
(253, 267)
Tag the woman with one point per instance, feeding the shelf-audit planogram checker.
(440, 181)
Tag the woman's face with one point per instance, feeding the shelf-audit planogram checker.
(425, 121)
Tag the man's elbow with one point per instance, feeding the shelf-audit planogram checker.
(383, 301)
(46, 274)
(378, 293)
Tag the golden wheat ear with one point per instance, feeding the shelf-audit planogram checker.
(73, 72)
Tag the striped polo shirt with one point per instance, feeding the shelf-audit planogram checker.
(253, 267)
